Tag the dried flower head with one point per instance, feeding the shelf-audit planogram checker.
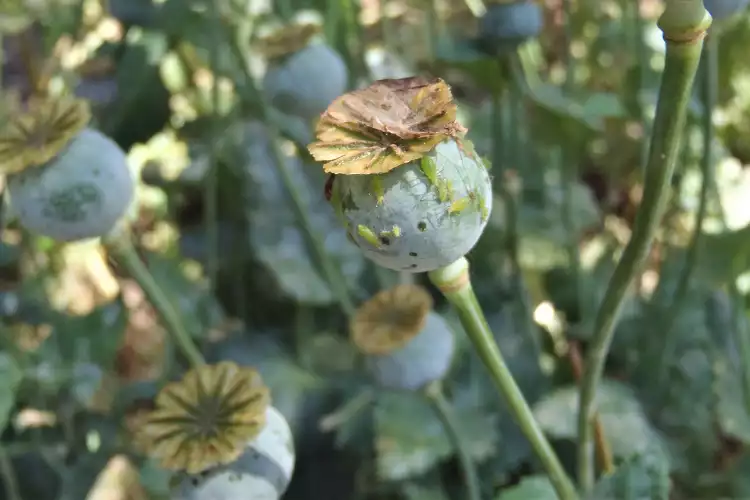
(384, 126)
(284, 40)
(206, 419)
(36, 135)
(390, 319)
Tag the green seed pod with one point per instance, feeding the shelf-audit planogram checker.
(422, 215)
(724, 9)
(406, 344)
(80, 193)
(304, 74)
(262, 472)
(507, 25)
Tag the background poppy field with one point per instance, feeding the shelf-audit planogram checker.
(226, 233)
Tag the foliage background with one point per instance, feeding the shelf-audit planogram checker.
(83, 352)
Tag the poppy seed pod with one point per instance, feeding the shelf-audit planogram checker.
(304, 74)
(406, 344)
(415, 198)
(262, 472)
(723, 9)
(80, 193)
(507, 25)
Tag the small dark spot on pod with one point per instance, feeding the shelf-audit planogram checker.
(384, 240)
(422, 226)
(412, 254)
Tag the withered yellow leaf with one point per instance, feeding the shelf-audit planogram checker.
(384, 126)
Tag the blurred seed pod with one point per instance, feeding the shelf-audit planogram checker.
(724, 9)
(407, 344)
(206, 419)
(262, 472)
(65, 180)
(427, 196)
(507, 25)
(304, 74)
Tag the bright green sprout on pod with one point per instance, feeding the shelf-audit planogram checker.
(66, 181)
(216, 429)
(304, 74)
(407, 345)
(508, 24)
(411, 191)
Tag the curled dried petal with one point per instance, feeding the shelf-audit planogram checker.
(388, 124)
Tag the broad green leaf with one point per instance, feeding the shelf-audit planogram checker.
(643, 477)
(154, 480)
(410, 439)
(625, 425)
(11, 375)
(419, 491)
(530, 488)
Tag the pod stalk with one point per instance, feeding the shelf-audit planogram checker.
(684, 24)
(454, 282)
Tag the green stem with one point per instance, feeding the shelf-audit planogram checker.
(210, 193)
(121, 248)
(709, 76)
(684, 23)
(444, 411)
(454, 282)
(12, 492)
(331, 272)
(347, 411)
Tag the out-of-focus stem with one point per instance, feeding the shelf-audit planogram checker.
(684, 24)
(455, 283)
(444, 411)
(121, 248)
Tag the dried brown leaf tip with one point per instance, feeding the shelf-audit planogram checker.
(34, 136)
(384, 126)
(206, 419)
(288, 39)
(390, 319)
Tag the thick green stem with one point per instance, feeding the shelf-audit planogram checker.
(210, 193)
(684, 23)
(121, 248)
(454, 282)
(709, 83)
(445, 413)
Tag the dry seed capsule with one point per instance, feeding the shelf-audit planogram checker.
(415, 198)
(304, 74)
(407, 345)
(507, 25)
(262, 472)
(65, 181)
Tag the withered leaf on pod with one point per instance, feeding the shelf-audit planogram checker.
(384, 126)
(287, 39)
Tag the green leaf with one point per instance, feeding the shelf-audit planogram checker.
(11, 375)
(154, 480)
(530, 488)
(644, 477)
(418, 491)
(410, 440)
(625, 425)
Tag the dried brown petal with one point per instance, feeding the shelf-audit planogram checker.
(385, 125)
(390, 319)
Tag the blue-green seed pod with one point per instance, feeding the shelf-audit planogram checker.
(724, 9)
(262, 472)
(422, 215)
(306, 82)
(81, 193)
(507, 25)
(424, 359)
